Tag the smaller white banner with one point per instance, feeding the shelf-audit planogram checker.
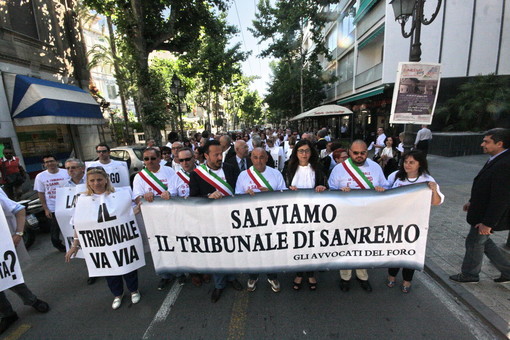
(117, 170)
(10, 270)
(109, 235)
(64, 211)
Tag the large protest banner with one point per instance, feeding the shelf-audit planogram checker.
(64, 210)
(10, 270)
(290, 231)
(108, 233)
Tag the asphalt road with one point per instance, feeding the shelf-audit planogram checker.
(80, 311)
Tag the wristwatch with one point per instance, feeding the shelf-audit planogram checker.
(19, 233)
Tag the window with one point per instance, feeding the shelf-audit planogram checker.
(112, 91)
(22, 18)
(346, 67)
(331, 38)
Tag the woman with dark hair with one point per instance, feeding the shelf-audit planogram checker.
(303, 171)
(389, 157)
(414, 169)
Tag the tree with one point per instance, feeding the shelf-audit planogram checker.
(284, 27)
(480, 104)
(149, 25)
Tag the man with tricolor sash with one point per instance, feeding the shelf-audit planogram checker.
(257, 178)
(215, 180)
(155, 181)
(357, 172)
(179, 185)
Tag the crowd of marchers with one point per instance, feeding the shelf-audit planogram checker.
(214, 166)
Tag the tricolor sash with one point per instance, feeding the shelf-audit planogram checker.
(153, 181)
(183, 175)
(259, 179)
(358, 175)
(214, 180)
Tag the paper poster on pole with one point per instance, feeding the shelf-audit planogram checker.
(10, 270)
(108, 232)
(64, 210)
(290, 231)
(415, 93)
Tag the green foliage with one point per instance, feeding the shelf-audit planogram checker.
(483, 102)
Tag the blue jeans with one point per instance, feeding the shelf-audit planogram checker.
(476, 246)
(220, 280)
(23, 292)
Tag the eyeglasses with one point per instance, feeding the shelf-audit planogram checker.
(185, 159)
(102, 151)
(99, 168)
(73, 167)
(149, 158)
(359, 153)
(304, 151)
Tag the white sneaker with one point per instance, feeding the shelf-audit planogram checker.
(275, 285)
(252, 285)
(117, 302)
(135, 297)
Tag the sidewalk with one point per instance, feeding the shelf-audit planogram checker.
(447, 233)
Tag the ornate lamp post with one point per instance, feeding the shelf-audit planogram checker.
(180, 92)
(405, 10)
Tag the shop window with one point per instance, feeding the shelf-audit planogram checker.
(22, 17)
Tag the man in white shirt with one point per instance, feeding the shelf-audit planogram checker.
(117, 170)
(46, 184)
(179, 184)
(176, 147)
(423, 138)
(256, 179)
(346, 177)
(379, 141)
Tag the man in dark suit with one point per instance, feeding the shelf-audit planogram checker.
(241, 161)
(488, 209)
(203, 185)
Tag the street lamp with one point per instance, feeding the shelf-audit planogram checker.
(180, 92)
(404, 10)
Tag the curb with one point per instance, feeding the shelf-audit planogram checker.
(500, 326)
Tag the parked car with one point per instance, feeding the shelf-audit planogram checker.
(132, 155)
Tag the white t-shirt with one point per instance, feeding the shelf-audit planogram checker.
(117, 170)
(140, 187)
(379, 141)
(178, 187)
(395, 182)
(48, 183)
(340, 178)
(273, 176)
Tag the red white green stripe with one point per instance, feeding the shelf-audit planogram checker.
(214, 180)
(183, 175)
(154, 182)
(358, 175)
(259, 179)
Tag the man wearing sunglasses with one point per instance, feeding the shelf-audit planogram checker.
(46, 184)
(155, 181)
(357, 172)
(117, 170)
(180, 183)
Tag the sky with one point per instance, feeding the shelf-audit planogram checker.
(241, 14)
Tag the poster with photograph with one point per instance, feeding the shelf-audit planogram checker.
(415, 93)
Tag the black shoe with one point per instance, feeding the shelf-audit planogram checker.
(162, 283)
(91, 280)
(41, 306)
(182, 280)
(215, 296)
(236, 284)
(502, 279)
(365, 285)
(461, 278)
(345, 285)
(7, 321)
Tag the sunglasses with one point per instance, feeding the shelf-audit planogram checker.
(185, 159)
(149, 158)
(102, 151)
(100, 168)
(359, 152)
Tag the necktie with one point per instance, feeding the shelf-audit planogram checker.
(243, 166)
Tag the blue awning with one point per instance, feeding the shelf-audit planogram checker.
(41, 102)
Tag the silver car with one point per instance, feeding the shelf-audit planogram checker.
(132, 155)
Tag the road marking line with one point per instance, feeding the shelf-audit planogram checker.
(18, 332)
(165, 308)
(238, 316)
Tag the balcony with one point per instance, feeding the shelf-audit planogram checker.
(344, 87)
(369, 76)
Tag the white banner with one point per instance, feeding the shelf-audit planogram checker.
(64, 210)
(415, 93)
(108, 233)
(117, 170)
(10, 270)
(290, 231)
